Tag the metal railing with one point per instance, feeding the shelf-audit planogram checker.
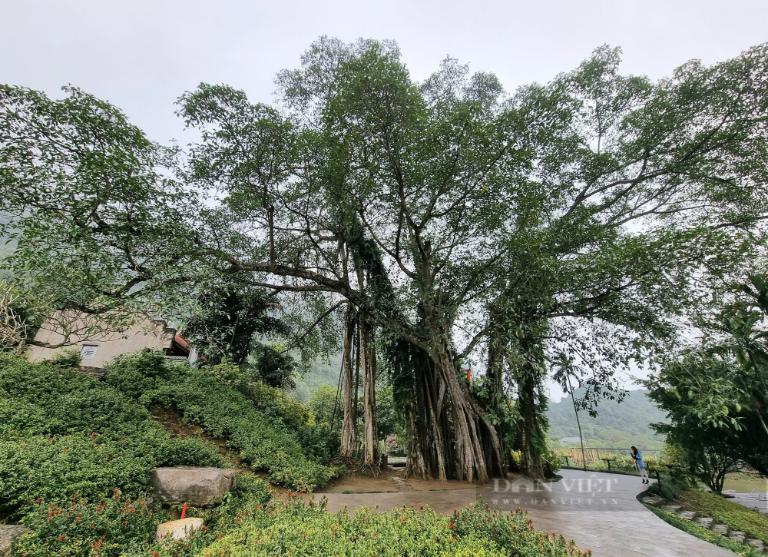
(603, 458)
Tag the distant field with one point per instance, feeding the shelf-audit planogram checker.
(745, 483)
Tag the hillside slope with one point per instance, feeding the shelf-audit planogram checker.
(618, 424)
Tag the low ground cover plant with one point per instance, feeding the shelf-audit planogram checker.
(125, 526)
(741, 549)
(75, 456)
(65, 434)
(262, 425)
(299, 528)
(733, 515)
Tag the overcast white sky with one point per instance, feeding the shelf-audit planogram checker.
(142, 54)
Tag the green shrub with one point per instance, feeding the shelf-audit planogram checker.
(670, 485)
(305, 529)
(512, 532)
(123, 526)
(40, 469)
(259, 422)
(65, 434)
(134, 374)
(20, 418)
(68, 359)
(276, 405)
(76, 528)
(75, 456)
(251, 487)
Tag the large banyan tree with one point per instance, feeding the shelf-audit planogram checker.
(442, 224)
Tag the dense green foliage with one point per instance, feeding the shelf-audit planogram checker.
(226, 319)
(264, 426)
(224, 325)
(65, 434)
(75, 456)
(618, 424)
(300, 529)
(77, 527)
(715, 393)
(577, 221)
(118, 525)
(671, 484)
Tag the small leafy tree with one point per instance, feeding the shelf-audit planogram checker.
(694, 393)
(716, 394)
(226, 320)
(273, 366)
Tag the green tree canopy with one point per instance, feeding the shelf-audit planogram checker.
(715, 393)
(577, 217)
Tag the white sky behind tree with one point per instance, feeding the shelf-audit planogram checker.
(142, 54)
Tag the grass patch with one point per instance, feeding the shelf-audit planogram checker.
(743, 482)
(735, 516)
(705, 534)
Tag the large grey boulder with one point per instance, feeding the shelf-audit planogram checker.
(197, 486)
(9, 533)
(737, 536)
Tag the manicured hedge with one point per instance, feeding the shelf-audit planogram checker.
(301, 529)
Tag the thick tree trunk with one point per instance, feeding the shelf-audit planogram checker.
(368, 352)
(450, 438)
(349, 424)
(499, 403)
(532, 406)
(415, 465)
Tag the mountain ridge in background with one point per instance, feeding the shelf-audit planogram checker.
(617, 425)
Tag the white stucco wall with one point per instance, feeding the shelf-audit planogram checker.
(82, 330)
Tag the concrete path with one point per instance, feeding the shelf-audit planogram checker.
(757, 500)
(598, 511)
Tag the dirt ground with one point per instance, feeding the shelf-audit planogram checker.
(390, 480)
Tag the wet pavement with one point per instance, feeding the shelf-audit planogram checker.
(754, 500)
(599, 511)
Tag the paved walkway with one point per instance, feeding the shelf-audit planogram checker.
(757, 500)
(598, 511)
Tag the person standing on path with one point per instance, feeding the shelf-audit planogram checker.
(640, 463)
